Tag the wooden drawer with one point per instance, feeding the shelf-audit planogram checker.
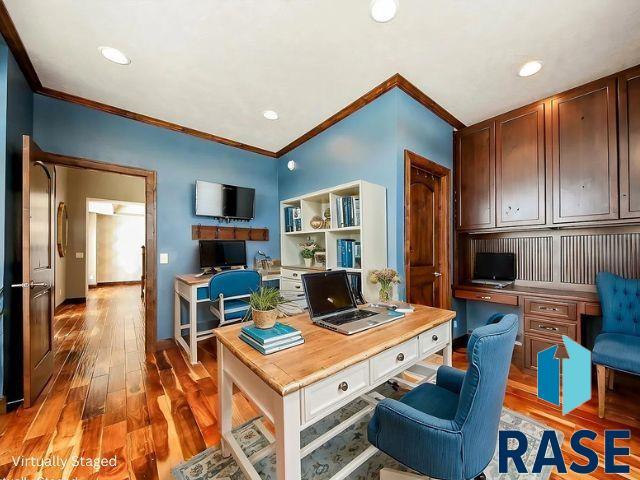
(533, 345)
(550, 328)
(435, 339)
(550, 308)
(291, 274)
(320, 397)
(593, 309)
(503, 298)
(291, 285)
(394, 359)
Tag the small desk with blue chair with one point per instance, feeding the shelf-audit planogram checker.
(617, 347)
(449, 430)
(226, 291)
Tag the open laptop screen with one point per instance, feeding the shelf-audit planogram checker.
(327, 293)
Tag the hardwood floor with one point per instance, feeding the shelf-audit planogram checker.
(150, 413)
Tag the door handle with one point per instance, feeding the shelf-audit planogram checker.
(437, 274)
(31, 284)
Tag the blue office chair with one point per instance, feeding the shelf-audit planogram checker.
(449, 430)
(618, 346)
(229, 292)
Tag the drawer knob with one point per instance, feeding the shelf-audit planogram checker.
(295, 274)
(434, 338)
(344, 386)
(297, 286)
(548, 309)
(400, 357)
(551, 329)
(485, 297)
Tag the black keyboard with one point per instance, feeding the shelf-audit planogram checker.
(342, 318)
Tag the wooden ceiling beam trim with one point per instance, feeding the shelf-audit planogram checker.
(10, 34)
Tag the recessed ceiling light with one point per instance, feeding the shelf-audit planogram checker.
(114, 55)
(530, 68)
(383, 10)
(270, 115)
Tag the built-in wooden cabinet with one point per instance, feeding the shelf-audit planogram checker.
(629, 125)
(475, 177)
(520, 167)
(584, 154)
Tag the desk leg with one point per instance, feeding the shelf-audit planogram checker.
(176, 314)
(447, 353)
(287, 424)
(193, 325)
(225, 400)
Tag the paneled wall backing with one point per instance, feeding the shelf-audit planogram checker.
(583, 256)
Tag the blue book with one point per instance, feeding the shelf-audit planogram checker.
(349, 254)
(279, 331)
(267, 349)
(339, 255)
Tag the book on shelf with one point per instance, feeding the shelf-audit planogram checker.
(349, 253)
(348, 211)
(292, 219)
(267, 336)
(273, 347)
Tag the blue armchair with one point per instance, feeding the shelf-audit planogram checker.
(449, 430)
(617, 347)
(229, 292)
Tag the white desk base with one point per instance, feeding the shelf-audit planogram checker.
(287, 413)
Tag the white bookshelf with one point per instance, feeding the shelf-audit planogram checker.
(371, 233)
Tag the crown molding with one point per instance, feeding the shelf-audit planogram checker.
(11, 36)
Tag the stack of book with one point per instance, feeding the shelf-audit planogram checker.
(349, 253)
(292, 219)
(271, 340)
(348, 211)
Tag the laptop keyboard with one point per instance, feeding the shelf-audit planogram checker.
(342, 318)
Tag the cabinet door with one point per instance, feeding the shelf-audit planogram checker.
(584, 150)
(629, 111)
(520, 167)
(475, 177)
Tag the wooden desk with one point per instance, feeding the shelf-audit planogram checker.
(297, 387)
(547, 314)
(194, 289)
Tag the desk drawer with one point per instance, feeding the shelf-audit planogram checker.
(291, 285)
(323, 395)
(291, 274)
(533, 345)
(549, 328)
(503, 298)
(550, 308)
(395, 358)
(431, 340)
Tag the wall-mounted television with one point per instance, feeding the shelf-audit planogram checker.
(224, 201)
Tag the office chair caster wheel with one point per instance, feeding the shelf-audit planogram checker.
(482, 476)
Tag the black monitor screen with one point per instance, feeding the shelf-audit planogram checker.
(327, 292)
(495, 266)
(222, 253)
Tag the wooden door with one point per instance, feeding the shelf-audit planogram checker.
(520, 167)
(475, 177)
(584, 152)
(426, 232)
(37, 271)
(629, 124)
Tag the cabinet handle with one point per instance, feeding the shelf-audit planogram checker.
(298, 286)
(295, 274)
(344, 386)
(434, 338)
(551, 329)
(548, 309)
(400, 357)
(484, 297)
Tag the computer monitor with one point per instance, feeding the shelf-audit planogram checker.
(495, 266)
(222, 253)
(327, 292)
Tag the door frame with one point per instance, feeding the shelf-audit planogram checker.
(151, 181)
(412, 159)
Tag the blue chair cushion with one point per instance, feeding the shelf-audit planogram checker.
(618, 351)
(620, 301)
(432, 399)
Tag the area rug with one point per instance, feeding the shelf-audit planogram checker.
(325, 461)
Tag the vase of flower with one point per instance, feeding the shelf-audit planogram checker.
(308, 250)
(386, 278)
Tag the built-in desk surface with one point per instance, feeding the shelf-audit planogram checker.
(574, 295)
(326, 352)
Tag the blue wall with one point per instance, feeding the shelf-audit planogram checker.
(19, 122)
(180, 160)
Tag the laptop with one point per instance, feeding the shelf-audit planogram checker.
(494, 269)
(332, 304)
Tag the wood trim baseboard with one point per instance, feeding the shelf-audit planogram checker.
(116, 284)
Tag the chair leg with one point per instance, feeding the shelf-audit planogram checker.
(601, 374)
(610, 380)
(482, 476)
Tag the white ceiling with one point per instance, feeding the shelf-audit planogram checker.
(215, 65)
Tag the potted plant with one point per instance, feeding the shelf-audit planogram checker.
(387, 278)
(308, 250)
(264, 306)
